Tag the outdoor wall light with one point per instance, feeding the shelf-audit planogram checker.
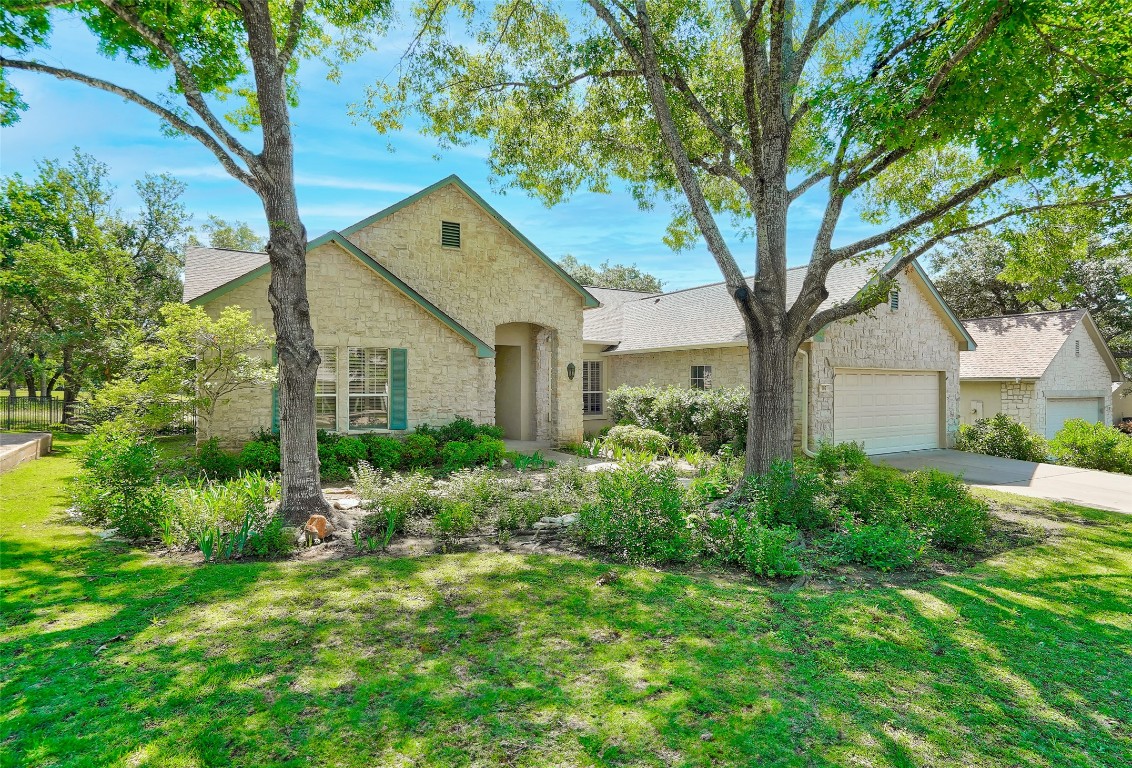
(570, 369)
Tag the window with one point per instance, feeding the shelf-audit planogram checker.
(369, 388)
(592, 395)
(894, 299)
(701, 377)
(450, 234)
(326, 389)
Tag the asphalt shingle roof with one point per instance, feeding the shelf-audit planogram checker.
(705, 315)
(1016, 346)
(207, 269)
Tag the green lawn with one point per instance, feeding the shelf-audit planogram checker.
(110, 657)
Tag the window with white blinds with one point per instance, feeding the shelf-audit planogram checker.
(369, 388)
(326, 389)
(593, 396)
(701, 377)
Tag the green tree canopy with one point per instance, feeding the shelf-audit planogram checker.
(235, 235)
(626, 277)
(938, 118)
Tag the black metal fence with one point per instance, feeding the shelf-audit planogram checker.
(36, 413)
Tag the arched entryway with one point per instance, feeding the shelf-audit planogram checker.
(523, 388)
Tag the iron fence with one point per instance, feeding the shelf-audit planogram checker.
(31, 412)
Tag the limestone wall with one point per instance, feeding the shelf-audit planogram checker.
(1077, 370)
(1019, 401)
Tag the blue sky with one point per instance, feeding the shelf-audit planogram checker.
(345, 171)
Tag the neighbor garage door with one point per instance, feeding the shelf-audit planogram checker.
(1062, 409)
(887, 411)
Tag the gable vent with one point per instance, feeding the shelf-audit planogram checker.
(450, 234)
(894, 299)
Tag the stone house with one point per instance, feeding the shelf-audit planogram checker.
(1042, 368)
(433, 308)
(888, 379)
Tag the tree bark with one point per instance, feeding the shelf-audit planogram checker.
(770, 422)
(274, 172)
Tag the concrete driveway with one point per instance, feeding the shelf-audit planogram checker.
(1087, 487)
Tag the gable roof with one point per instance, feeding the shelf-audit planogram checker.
(207, 269)
(482, 348)
(1023, 346)
(456, 181)
(706, 316)
(603, 325)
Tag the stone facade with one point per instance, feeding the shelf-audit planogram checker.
(1019, 401)
(491, 280)
(917, 336)
(1077, 370)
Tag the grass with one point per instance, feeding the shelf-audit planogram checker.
(110, 657)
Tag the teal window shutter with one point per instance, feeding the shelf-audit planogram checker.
(398, 386)
(275, 393)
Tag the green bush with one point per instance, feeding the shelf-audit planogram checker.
(118, 484)
(844, 457)
(636, 438)
(215, 463)
(792, 494)
(738, 537)
(638, 516)
(1001, 435)
(407, 495)
(455, 519)
(382, 451)
(331, 470)
(884, 547)
(259, 456)
(940, 504)
(715, 480)
(350, 450)
(717, 417)
(272, 541)
(224, 518)
(419, 450)
(488, 450)
(1093, 446)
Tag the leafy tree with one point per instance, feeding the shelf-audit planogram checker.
(938, 117)
(245, 55)
(77, 280)
(624, 276)
(193, 364)
(235, 235)
(1055, 259)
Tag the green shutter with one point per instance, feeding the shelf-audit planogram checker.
(398, 386)
(275, 392)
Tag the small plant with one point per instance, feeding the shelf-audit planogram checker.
(831, 459)
(634, 438)
(790, 494)
(884, 547)
(454, 520)
(738, 537)
(259, 456)
(525, 463)
(215, 463)
(1001, 435)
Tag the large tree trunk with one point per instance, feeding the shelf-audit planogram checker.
(770, 423)
(286, 249)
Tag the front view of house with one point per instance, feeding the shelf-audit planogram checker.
(437, 307)
(433, 308)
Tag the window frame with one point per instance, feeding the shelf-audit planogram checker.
(332, 395)
(599, 391)
(704, 378)
(387, 393)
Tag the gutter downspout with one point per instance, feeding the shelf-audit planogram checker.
(806, 405)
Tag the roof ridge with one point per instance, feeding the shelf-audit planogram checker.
(1027, 314)
(218, 248)
(717, 282)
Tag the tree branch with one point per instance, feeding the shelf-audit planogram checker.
(817, 30)
(185, 78)
(200, 134)
(294, 28)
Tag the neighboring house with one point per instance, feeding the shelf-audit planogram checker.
(888, 379)
(433, 308)
(1042, 368)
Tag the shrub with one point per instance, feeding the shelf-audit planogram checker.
(378, 528)
(1093, 446)
(790, 494)
(259, 456)
(272, 541)
(455, 519)
(637, 438)
(407, 495)
(350, 450)
(478, 488)
(1001, 435)
(844, 457)
(740, 538)
(716, 478)
(419, 450)
(215, 463)
(638, 516)
(873, 494)
(884, 547)
(382, 451)
(331, 470)
(118, 485)
(223, 518)
(717, 417)
(488, 450)
(940, 504)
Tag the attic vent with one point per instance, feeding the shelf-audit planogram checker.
(894, 299)
(1077, 347)
(450, 234)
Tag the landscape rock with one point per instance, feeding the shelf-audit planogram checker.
(345, 504)
(318, 526)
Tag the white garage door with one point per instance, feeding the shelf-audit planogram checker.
(1063, 409)
(887, 411)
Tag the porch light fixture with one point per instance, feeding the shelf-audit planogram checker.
(571, 369)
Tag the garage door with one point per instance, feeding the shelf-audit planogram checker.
(887, 411)
(1062, 409)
